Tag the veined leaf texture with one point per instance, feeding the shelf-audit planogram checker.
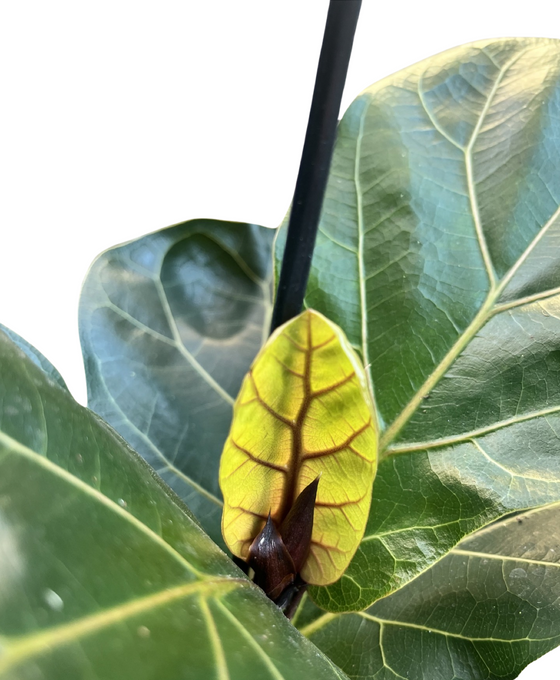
(304, 410)
(438, 256)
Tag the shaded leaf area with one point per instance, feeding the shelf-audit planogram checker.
(438, 256)
(304, 412)
(105, 574)
(35, 356)
(169, 325)
(483, 612)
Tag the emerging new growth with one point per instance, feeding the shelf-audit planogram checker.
(303, 425)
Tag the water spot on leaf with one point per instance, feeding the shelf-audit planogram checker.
(517, 573)
(53, 600)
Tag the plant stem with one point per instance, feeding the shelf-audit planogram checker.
(316, 157)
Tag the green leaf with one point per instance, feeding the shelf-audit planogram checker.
(438, 254)
(169, 325)
(483, 612)
(304, 412)
(104, 573)
(35, 356)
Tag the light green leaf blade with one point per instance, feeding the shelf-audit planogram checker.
(484, 612)
(105, 574)
(303, 413)
(438, 255)
(169, 325)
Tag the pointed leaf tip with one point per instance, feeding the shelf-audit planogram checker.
(269, 557)
(296, 529)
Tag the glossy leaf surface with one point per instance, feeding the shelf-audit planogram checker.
(169, 325)
(484, 612)
(35, 356)
(438, 255)
(104, 573)
(303, 411)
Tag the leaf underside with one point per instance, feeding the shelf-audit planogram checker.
(438, 255)
(104, 573)
(169, 325)
(303, 412)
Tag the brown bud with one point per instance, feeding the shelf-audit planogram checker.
(296, 529)
(271, 561)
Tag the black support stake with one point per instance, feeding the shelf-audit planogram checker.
(316, 157)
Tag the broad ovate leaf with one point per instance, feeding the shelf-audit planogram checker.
(485, 611)
(304, 411)
(103, 571)
(169, 325)
(439, 255)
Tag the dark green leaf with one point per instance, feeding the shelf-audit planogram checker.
(169, 326)
(484, 612)
(438, 254)
(103, 572)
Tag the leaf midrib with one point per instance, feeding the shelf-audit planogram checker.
(429, 629)
(527, 511)
(484, 314)
(20, 449)
(176, 341)
(326, 618)
(170, 466)
(488, 307)
(504, 558)
(20, 649)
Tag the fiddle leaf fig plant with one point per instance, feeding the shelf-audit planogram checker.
(426, 361)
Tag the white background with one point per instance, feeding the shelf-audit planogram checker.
(118, 118)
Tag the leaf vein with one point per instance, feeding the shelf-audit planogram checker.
(22, 450)
(340, 447)
(20, 649)
(183, 350)
(504, 558)
(467, 436)
(215, 642)
(274, 672)
(167, 464)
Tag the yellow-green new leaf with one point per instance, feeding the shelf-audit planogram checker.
(304, 410)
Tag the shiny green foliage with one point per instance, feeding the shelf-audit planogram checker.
(169, 325)
(104, 573)
(484, 612)
(438, 256)
(35, 356)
